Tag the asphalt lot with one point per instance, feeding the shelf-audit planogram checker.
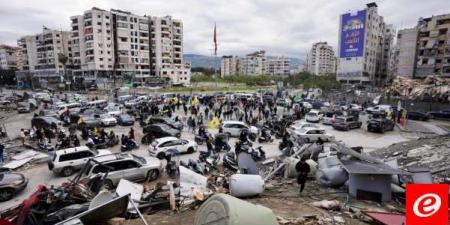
(40, 174)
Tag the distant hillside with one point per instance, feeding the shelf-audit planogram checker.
(214, 62)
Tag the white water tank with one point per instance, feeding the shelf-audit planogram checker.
(245, 185)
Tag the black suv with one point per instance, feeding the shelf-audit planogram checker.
(158, 130)
(164, 120)
(380, 124)
(346, 123)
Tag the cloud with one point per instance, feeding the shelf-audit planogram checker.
(281, 27)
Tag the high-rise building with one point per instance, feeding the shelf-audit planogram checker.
(92, 44)
(254, 63)
(361, 47)
(433, 51)
(229, 65)
(278, 66)
(405, 53)
(321, 59)
(39, 55)
(9, 57)
(107, 43)
(385, 70)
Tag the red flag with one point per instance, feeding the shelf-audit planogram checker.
(215, 40)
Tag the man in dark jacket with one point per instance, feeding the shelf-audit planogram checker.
(302, 169)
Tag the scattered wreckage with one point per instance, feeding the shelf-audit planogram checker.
(431, 87)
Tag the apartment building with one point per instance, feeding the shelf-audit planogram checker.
(433, 50)
(92, 44)
(385, 69)
(405, 53)
(254, 63)
(229, 65)
(106, 43)
(322, 59)
(278, 66)
(361, 47)
(39, 55)
(9, 57)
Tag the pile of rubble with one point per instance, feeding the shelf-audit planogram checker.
(427, 154)
(432, 86)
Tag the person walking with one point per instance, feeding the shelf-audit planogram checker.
(2, 149)
(302, 169)
(22, 136)
(131, 134)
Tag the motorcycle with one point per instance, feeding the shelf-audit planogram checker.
(257, 154)
(265, 136)
(229, 161)
(129, 145)
(171, 168)
(221, 143)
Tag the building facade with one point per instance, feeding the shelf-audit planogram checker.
(322, 59)
(92, 44)
(9, 57)
(253, 64)
(122, 44)
(405, 53)
(278, 66)
(361, 47)
(433, 50)
(229, 65)
(39, 55)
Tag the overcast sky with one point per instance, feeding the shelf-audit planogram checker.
(281, 27)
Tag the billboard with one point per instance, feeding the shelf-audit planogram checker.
(352, 34)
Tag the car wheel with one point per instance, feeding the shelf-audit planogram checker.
(152, 175)
(108, 184)
(6, 194)
(190, 150)
(67, 171)
(161, 155)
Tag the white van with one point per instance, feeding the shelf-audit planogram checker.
(62, 107)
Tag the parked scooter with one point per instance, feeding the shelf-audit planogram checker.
(129, 145)
(265, 136)
(229, 161)
(171, 168)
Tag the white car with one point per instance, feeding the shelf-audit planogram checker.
(307, 105)
(300, 125)
(161, 145)
(108, 120)
(313, 116)
(355, 107)
(234, 128)
(113, 110)
(328, 118)
(66, 161)
(312, 134)
(379, 108)
(125, 166)
(131, 103)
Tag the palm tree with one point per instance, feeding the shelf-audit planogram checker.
(63, 60)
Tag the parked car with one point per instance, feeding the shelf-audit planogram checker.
(346, 123)
(164, 120)
(442, 114)
(312, 134)
(66, 161)
(418, 116)
(300, 125)
(161, 145)
(380, 125)
(379, 108)
(48, 113)
(125, 120)
(125, 166)
(107, 120)
(281, 102)
(313, 116)
(355, 107)
(328, 118)
(234, 128)
(160, 130)
(91, 120)
(44, 122)
(130, 103)
(10, 184)
(23, 107)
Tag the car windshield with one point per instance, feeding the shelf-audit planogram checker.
(139, 159)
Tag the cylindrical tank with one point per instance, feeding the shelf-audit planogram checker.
(223, 209)
(244, 185)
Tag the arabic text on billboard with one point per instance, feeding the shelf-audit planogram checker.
(352, 34)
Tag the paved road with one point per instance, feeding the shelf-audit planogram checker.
(39, 174)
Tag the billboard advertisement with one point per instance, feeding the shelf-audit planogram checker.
(352, 34)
